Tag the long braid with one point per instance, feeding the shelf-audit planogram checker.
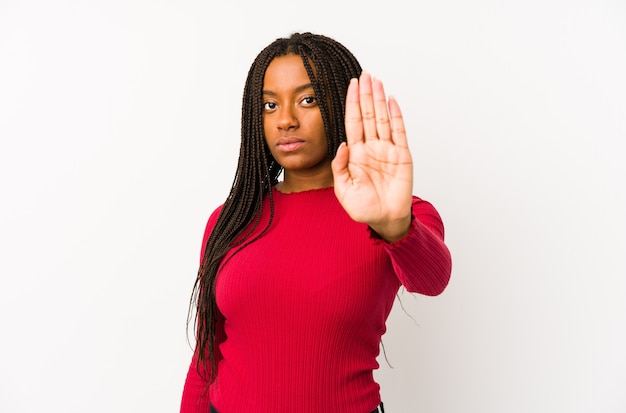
(330, 66)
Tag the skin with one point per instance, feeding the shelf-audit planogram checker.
(293, 126)
(372, 175)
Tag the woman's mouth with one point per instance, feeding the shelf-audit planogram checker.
(289, 144)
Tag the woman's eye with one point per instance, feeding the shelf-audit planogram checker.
(309, 100)
(269, 105)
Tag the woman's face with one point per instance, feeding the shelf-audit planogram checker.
(292, 121)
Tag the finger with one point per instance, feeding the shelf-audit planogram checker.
(339, 165)
(368, 113)
(383, 127)
(353, 122)
(398, 131)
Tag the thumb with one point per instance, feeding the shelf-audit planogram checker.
(339, 164)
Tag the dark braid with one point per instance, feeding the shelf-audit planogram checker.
(330, 67)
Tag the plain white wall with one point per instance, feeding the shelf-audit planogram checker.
(119, 127)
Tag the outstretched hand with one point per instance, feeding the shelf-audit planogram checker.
(373, 173)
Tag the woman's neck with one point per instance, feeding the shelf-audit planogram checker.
(294, 182)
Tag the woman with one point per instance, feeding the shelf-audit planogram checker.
(298, 275)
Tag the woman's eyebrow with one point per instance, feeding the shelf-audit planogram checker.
(296, 90)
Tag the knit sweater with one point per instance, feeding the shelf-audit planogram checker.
(304, 307)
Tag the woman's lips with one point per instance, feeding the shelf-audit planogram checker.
(289, 144)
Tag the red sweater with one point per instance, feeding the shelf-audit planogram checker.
(305, 307)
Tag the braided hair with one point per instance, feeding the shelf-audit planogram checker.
(330, 66)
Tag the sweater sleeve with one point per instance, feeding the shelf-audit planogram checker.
(196, 391)
(421, 260)
(195, 398)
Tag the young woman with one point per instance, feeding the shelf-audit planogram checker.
(298, 275)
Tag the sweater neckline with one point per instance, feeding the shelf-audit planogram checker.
(275, 191)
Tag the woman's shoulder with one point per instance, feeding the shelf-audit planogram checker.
(215, 215)
(209, 227)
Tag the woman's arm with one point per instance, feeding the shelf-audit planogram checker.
(421, 259)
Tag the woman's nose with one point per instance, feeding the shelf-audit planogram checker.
(287, 119)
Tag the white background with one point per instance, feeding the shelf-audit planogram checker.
(119, 126)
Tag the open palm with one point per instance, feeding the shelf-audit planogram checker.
(373, 173)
